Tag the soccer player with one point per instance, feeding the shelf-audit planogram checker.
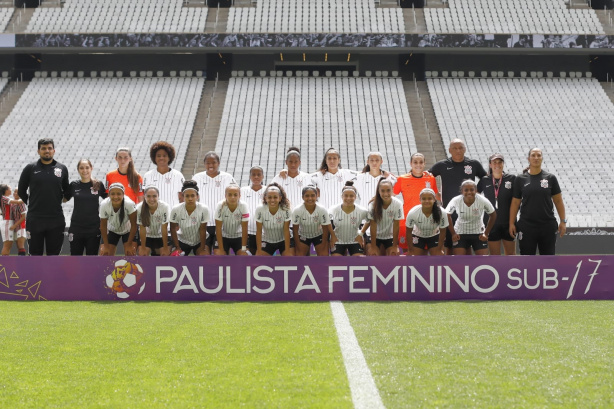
(212, 185)
(426, 226)
(152, 216)
(41, 186)
(252, 195)
(191, 218)
(468, 231)
(118, 221)
(13, 224)
(385, 212)
(231, 218)
(126, 175)
(292, 179)
(534, 193)
(330, 179)
(346, 218)
(367, 180)
(84, 232)
(168, 181)
(497, 188)
(273, 223)
(309, 222)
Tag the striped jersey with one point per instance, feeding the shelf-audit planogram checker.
(112, 216)
(294, 187)
(347, 226)
(156, 220)
(231, 221)
(116, 177)
(310, 224)
(6, 207)
(366, 186)
(189, 224)
(253, 199)
(272, 224)
(470, 218)
(18, 210)
(169, 184)
(425, 226)
(385, 226)
(330, 185)
(212, 190)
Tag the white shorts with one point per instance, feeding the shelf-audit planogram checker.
(11, 235)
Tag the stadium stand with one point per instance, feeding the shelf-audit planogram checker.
(570, 119)
(5, 16)
(511, 16)
(92, 117)
(3, 82)
(264, 116)
(119, 16)
(315, 16)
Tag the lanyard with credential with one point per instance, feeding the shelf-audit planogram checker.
(497, 188)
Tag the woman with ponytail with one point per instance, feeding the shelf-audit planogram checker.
(346, 218)
(189, 222)
(153, 218)
(126, 175)
(385, 212)
(117, 221)
(426, 225)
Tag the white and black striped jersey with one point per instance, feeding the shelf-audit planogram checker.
(310, 224)
(330, 185)
(385, 226)
(470, 218)
(272, 224)
(112, 216)
(169, 185)
(366, 186)
(253, 199)
(347, 226)
(231, 221)
(212, 190)
(425, 226)
(294, 187)
(189, 224)
(161, 216)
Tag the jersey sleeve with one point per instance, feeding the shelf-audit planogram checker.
(244, 212)
(324, 217)
(175, 214)
(129, 206)
(296, 217)
(139, 211)
(410, 222)
(451, 208)
(434, 184)
(288, 215)
(435, 170)
(517, 191)
(488, 207)
(102, 213)
(259, 211)
(556, 188)
(479, 170)
(140, 192)
(481, 185)
(24, 183)
(398, 213)
(205, 215)
(218, 211)
(68, 193)
(444, 219)
(107, 183)
(369, 215)
(396, 189)
(167, 214)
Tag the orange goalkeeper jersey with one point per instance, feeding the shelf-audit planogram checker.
(411, 186)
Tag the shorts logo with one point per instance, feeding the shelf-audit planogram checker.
(468, 169)
(57, 172)
(508, 185)
(402, 240)
(544, 183)
(70, 237)
(415, 240)
(519, 235)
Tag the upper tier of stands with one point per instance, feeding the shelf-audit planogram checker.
(92, 117)
(119, 16)
(570, 119)
(315, 16)
(5, 16)
(264, 116)
(511, 16)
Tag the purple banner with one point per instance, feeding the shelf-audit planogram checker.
(217, 278)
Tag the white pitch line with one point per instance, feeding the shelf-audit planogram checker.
(362, 386)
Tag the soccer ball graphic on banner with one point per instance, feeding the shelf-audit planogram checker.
(126, 279)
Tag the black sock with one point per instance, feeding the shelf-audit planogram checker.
(22, 252)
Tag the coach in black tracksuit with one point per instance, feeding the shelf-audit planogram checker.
(41, 186)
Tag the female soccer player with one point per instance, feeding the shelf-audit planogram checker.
(367, 180)
(252, 195)
(534, 192)
(13, 225)
(346, 218)
(410, 186)
(273, 223)
(468, 232)
(385, 212)
(497, 188)
(309, 222)
(117, 221)
(126, 175)
(426, 226)
(231, 218)
(292, 179)
(331, 178)
(84, 232)
(168, 181)
(152, 217)
(191, 217)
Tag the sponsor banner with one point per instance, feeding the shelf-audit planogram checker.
(217, 278)
(217, 41)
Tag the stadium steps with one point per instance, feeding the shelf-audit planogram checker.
(19, 21)
(51, 3)
(9, 98)
(387, 4)
(605, 21)
(419, 27)
(222, 20)
(609, 90)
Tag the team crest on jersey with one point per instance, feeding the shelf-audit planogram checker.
(339, 177)
(468, 169)
(390, 213)
(94, 191)
(544, 183)
(237, 216)
(315, 218)
(475, 211)
(508, 185)
(278, 219)
(193, 220)
(299, 183)
(353, 219)
(57, 172)
(427, 185)
(218, 183)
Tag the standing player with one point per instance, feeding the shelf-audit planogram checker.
(385, 212)
(41, 186)
(497, 188)
(367, 180)
(309, 222)
(293, 180)
(118, 221)
(331, 178)
(534, 192)
(126, 175)
(273, 223)
(468, 231)
(231, 218)
(168, 181)
(346, 217)
(84, 231)
(252, 195)
(191, 218)
(13, 225)
(426, 226)
(212, 185)
(152, 216)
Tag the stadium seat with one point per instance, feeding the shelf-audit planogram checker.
(262, 73)
(329, 73)
(288, 73)
(461, 74)
(356, 73)
(299, 73)
(143, 74)
(523, 74)
(427, 74)
(394, 73)
(133, 74)
(189, 73)
(249, 73)
(589, 74)
(550, 74)
(273, 73)
(160, 74)
(454, 74)
(316, 73)
(471, 74)
(44, 74)
(368, 73)
(103, 74)
(119, 74)
(572, 74)
(563, 74)
(240, 73)
(200, 73)
(510, 74)
(484, 74)
(37, 74)
(54, 74)
(444, 74)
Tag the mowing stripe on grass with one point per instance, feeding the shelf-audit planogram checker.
(364, 392)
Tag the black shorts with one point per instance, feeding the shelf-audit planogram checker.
(471, 241)
(154, 243)
(353, 248)
(251, 243)
(187, 249)
(425, 243)
(387, 243)
(114, 238)
(234, 244)
(272, 247)
(211, 242)
(500, 232)
(316, 241)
